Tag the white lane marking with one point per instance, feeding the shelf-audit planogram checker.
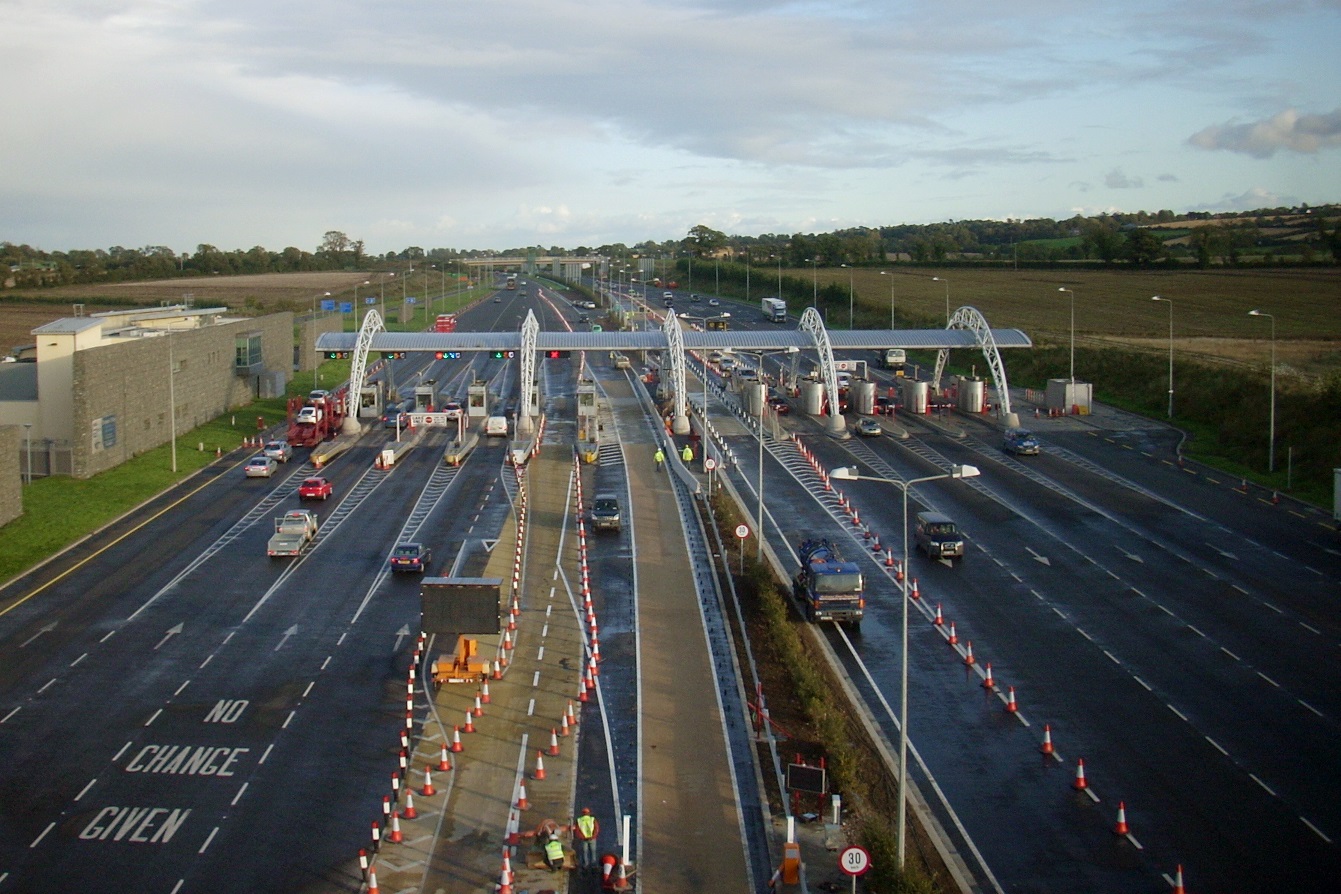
(1274, 608)
(1216, 746)
(530, 708)
(1113, 658)
(540, 655)
(1258, 780)
(38, 839)
(1084, 634)
(1196, 631)
(79, 659)
(326, 662)
(1310, 707)
(116, 757)
(1165, 610)
(10, 714)
(1268, 679)
(238, 796)
(109, 635)
(180, 688)
(285, 724)
(535, 680)
(308, 689)
(208, 659)
(84, 791)
(213, 832)
(266, 754)
(153, 717)
(1142, 682)
(1229, 653)
(1316, 830)
(1176, 711)
(1310, 629)
(48, 684)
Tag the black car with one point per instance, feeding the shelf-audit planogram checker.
(411, 557)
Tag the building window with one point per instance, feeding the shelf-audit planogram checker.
(247, 358)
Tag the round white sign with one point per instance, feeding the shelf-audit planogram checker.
(854, 860)
(742, 531)
(710, 464)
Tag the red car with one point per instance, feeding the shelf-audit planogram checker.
(314, 489)
(780, 405)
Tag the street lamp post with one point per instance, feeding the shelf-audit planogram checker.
(851, 295)
(384, 278)
(814, 269)
(849, 473)
(172, 400)
(942, 279)
(1271, 432)
(763, 407)
(1073, 330)
(356, 294)
(1168, 301)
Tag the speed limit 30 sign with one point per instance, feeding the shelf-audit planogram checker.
(854, 860)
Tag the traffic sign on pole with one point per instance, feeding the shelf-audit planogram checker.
(854, 861)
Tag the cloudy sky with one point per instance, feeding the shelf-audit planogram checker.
(503, 123)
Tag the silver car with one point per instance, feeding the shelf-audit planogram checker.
(260, 467)
(279, 451)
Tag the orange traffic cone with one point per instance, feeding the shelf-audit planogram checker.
(395, 836)
(1011, 707)
(522, 803)
(1121, 827)
(428, 789)
(553, 743)
(954, 637)
(915, 594)
(372, 881)
(457, 747)
(563, 724)
(939, 621)
(968, 655)
(444, 764)
(987, 681)
(1178, 881)
(622, 880)
(1080, 784)
(1046, 747)
(539, 765)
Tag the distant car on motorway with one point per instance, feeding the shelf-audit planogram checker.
(498, 299)
(713, 302)
(869, 428)
(1021, 442)
(315, 488)
(780, 405)
(260, 467)
(452, 410)
(411, 557)
(279, 451)
(318, 394)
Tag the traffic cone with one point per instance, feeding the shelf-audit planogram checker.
(395, 836)
(1011, 707)
(563, 724)
(470, 723)
(498, 671)
(444, 763)
(592, 670)
(582, 690)
(1121, 827)
(553, 743)
(522, 803)
(915, 594)
(428, 790)
(507, 642)
(484, 691)
(372, 881)
(1080, 784)
(478, 710)
(889, 558)
(622, 879)
(987, 681)
(539, 765)
(938, 620)
(1178, 880)
(968, 655)
(457, 747)
(954, 637)
(1046, 747)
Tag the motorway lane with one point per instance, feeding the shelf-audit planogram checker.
(1000, 603)
(145, 677)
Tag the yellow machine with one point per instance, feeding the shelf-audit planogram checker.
(465, 666)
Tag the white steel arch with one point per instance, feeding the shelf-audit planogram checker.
(675, 348)
(971, 319)
(358, 367)
(813, 323)
(529, 330)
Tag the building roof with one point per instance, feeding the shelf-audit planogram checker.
(68, 326)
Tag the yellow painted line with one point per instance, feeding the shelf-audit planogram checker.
(73, 568)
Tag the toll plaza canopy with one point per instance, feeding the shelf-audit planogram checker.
(656, 340)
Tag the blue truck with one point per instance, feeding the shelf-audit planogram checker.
(828, 587)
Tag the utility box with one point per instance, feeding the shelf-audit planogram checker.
(1067, 397)
(461, 605)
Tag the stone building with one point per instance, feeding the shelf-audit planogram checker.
(109, 386)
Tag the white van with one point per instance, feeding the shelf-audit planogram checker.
(496, 427)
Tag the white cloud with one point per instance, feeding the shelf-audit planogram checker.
(1287, 130)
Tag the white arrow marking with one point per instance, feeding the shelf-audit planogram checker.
(287, 633)
(47, 629)
(403, 632)
(1038, 558)
(172, 631)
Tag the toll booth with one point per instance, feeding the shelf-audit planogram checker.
(1066, 397)
(372, 400)
(914, 396)
(861, 397)
(477, 400)
(586, 410)
(425, 397)
(971, 395)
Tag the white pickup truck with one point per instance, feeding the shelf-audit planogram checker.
(294, 530)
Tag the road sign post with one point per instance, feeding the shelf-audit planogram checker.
(742, 531)
(854, 861)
